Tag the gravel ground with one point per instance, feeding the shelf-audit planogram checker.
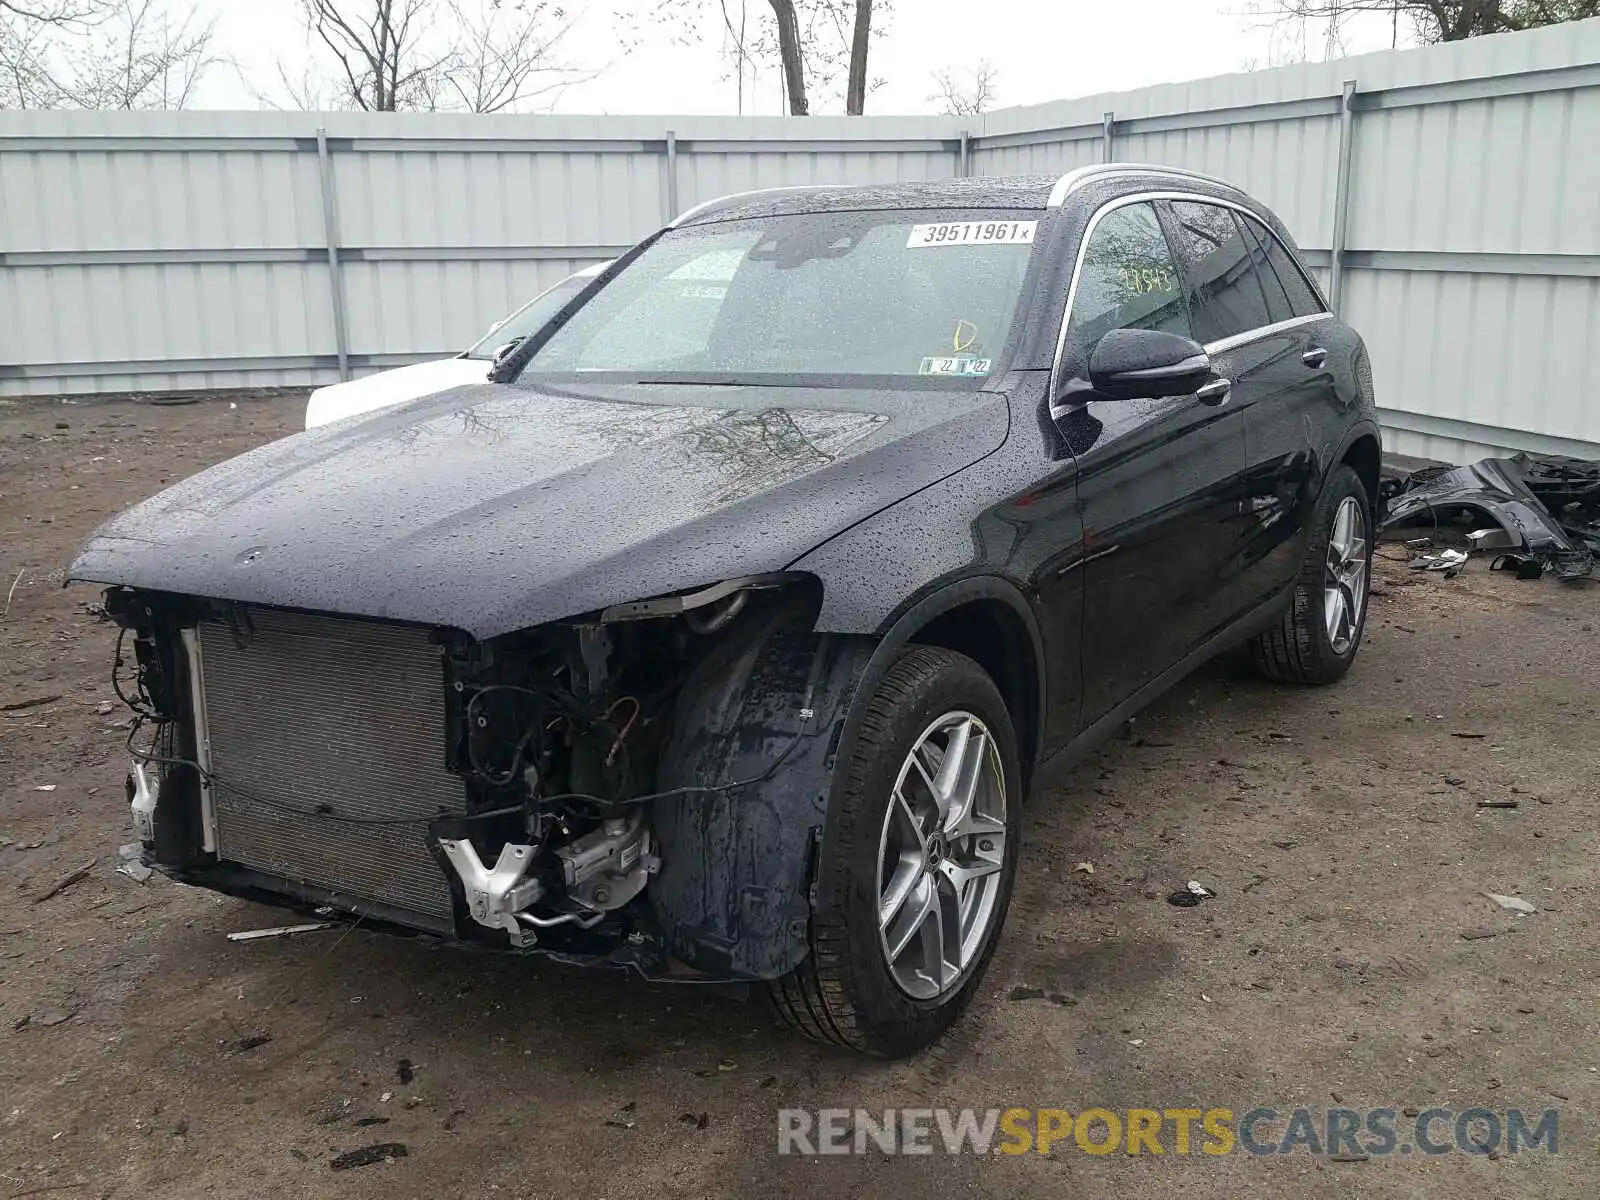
(1350, 956)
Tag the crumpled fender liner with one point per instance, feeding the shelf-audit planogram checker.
(733, 892)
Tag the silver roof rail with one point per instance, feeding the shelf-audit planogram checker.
(717, 201)
(1082, 176)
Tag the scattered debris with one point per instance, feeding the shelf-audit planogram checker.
(55, 1016)
(368, 1122)
(45, 787)
(1136, 1043)
(624, 1119)
(385, 1098)
(1499, 803)
(104, 707)
(251, 1040)
(1448, 561)
(130, 862)
(1200, 890)
(1524, 566)
(1084, 868)
(1490, 539)
(1515, 904)
(1478, 935)
(12, 591)
(1470, 736)
(1183, 898)
(32, 702)
(276, 931)
(65, 882)
(368, 1155)
(698, 1120)
(1546, 509)
(1024, 992)
(405, 1071)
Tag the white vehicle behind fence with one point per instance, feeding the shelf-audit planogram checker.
(372, 392)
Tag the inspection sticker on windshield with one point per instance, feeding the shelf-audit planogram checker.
(954, 364)
(971, 233)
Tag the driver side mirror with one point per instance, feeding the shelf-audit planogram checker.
(1147, 364)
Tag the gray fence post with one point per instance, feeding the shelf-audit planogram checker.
(672, 174)
(1108, 127)
(1341, 195)
(330, 234)
(964, 155)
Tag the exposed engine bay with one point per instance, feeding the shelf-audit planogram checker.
(527, 792)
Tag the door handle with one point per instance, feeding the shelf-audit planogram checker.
(1215, 392)
(1314, 357)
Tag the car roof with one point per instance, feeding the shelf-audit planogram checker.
(1000, 191)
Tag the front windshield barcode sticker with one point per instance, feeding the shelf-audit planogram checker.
(971, 233)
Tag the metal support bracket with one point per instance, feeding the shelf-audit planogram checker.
(496, 895)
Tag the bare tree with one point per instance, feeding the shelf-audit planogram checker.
(463, 55)
(793, 57)
(812, 44)
(376, 44)
(855, 102)
(113, 54)
(968, 93)
(1434, 20)
(506, 55)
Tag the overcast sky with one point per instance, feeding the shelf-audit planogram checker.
(1041, 49)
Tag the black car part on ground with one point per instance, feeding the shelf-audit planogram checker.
(1563, 538)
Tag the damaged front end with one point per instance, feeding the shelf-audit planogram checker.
(640, 787)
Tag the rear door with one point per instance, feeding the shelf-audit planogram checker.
(1158, 480)
(1248, 324)
(1281, 431)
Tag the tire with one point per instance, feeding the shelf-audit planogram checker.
(846, 993)
(1302, 647)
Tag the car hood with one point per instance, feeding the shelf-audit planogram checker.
(495, 508)
(372, 392)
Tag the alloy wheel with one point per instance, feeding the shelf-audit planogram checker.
(1344, 593)
(940, 856)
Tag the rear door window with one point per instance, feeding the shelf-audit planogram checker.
(1302, 298)
(1219, 271)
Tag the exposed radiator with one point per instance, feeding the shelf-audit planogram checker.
(311, 714)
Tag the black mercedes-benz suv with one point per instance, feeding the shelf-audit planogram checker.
(721, 634)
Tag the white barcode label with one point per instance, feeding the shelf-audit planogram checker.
(971, 233)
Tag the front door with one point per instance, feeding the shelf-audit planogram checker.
(1159, 481)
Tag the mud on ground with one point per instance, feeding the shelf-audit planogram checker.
(1349, 957)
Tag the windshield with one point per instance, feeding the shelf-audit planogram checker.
(818, 294)
(530, 318)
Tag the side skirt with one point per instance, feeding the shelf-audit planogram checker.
(1053, 770)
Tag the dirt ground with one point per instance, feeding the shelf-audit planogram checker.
(1349, 957)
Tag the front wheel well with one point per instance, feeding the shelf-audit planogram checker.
(993, 635)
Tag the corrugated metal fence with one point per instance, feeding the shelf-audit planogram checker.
(1450, 196)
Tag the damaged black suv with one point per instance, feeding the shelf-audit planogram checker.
(721, 634)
